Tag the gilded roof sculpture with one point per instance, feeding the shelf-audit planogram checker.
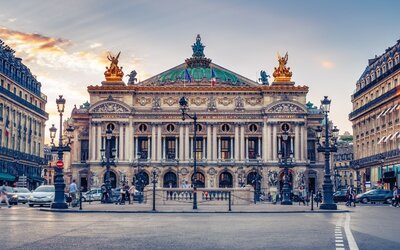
(114, 72)
(282, 74)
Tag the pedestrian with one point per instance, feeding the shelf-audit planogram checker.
(318, 197)
(73, 189)
(353, 196)
(348, 196)
(269, 197)
(127, 194)
(301, 199)
(104, 194)
(396, 197)
(121, 200)
(3, 195)
(131, 191)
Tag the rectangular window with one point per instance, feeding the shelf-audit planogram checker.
(171, 146)
(253, 148)
(8, 86)
(311, 151)
(84, 150)
(143, 147)
(1, 111)
(199, 148)
(15, 90)
(225, 148)
(1, 138)
(2, 83)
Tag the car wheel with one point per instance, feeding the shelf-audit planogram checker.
(83, 199)
(24, 203)
(41, 205)
(388, 200)
(30, 205)
(364, 200)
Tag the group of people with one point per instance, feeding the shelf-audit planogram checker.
(126, 193)
(351, 196)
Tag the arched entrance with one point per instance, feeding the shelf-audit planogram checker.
(251, 177)
(281, 180)
(225, 180)
(170, 180)
(312, 176)
(201, 180)
(113, 179)
(141, 180)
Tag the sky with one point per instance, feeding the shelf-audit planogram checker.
(65, 43)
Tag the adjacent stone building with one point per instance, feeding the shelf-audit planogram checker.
(344, 175)
(239, 129)
(22, 121)
(375, 118)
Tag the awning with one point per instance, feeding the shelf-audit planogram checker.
(381, 113)
(394, 107)
(383, 138)
(386, 111)
(7, 177)
(395, 135)
(387, 138)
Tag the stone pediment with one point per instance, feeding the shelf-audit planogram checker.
(286, 107)
(110, 106)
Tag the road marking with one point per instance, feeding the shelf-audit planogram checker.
(349, 235)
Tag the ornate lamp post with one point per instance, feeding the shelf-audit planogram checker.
(183, 102)
(59, 198)
(140, 179)
(108, 160)
(257, 181)
(154, 181)
(285, 161)
(328, 147)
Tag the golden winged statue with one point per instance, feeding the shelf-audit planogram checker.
(282, 74)
(113, 73)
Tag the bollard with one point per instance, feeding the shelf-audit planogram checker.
(230, 202)
(312, 201)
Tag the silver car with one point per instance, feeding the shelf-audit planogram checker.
(93, 195)
(23, 194)
(43, 195)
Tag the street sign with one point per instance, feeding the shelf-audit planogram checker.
(60, 164)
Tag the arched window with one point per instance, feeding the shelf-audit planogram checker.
(225, 180)
(113, 179)
(170, 180)
(201, 180)
(251, 178)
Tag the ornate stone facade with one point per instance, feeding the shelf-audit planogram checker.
(238, 132)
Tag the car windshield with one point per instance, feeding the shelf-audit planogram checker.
(21, 190)
(9, 189)
(44, 189)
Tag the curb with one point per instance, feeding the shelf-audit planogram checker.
(192, 212)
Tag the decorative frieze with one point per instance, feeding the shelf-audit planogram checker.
(225, 101)
(170, 101)
(143, 101)
(253, 101)
(198, 101)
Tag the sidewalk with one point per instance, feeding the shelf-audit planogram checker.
(97, 207)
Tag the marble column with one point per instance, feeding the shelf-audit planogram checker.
(303, 143)
(163, 155)
(153, 142)
(181, 142)
(246, 150)
(131, 142)
(297, 143)
(98, 143)
(242, 143)
(149, 147)
(214, 143)
(127, 141)
(176, 148)
(237, 143)
(265, 140)
(209, 140)
(274, 142)
(187, 148)
(121, 142)
(231, 149)
(92, 141)
(159, 142)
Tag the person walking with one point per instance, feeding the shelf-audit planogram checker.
(131, 191)
(396, 197)
(127, 194)
(353, 196)
(3, 195)
(104, 194)
(348, 196)
(121, 200)
(73, 189)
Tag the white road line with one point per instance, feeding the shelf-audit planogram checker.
(349, 235)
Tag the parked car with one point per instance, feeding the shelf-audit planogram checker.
(380, 195)
(23, 194)
(12, 198)
(93, 195)
(340, 196)
(43, 195)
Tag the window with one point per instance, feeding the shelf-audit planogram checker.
(111, 126)
(2, 83)
(15, 90)
(20, 93)
(142, 128)
(143, 147)
(253, 148)
(84, 150)
(225, 148)
(253, 128)
(1, 111)
(225, 128)
(8, 86)
(171, 146)
(199, 148)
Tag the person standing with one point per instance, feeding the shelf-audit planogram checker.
(127, 194)
(104, 194)
(353, 196)
(73, 189)
(396, 197)
(131, 191)
(3, 195)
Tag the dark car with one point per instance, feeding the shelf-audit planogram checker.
(339, 196)
(12, 198)
(380, 195)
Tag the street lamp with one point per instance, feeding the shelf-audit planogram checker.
(59, 197)
(328, 147)
(108, 160)
(183, 102)
(140, 179)
(285, 161)
(154, 181)
(257, 181)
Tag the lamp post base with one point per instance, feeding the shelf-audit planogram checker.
(328, 206)
(59, 205)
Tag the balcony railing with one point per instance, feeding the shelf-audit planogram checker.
(22, 156)
(375, 159)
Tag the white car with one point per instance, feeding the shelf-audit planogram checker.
(43, 195)
(23, 194)
(93, 195)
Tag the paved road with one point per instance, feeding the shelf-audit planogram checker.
(26, 228)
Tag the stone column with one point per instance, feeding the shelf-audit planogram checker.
(265, 139)
(274, 142)
(181, 142)
(163, 155)
(92, 141)
(258, 146)
(237, 143)
(209, 140)
(150, 147)
(214, 143)
(231, 148)
(131, 142)
(187, 148)
(296, 143)
(219, 148)
(246, 150)
(121, 142)
(127, 141)
(153, 142)
(242, 143)
(176, 148)
(159, 142)
(98, 143)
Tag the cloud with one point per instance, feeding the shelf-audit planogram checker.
(95, 45)
(11, 20)
(326, 64)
